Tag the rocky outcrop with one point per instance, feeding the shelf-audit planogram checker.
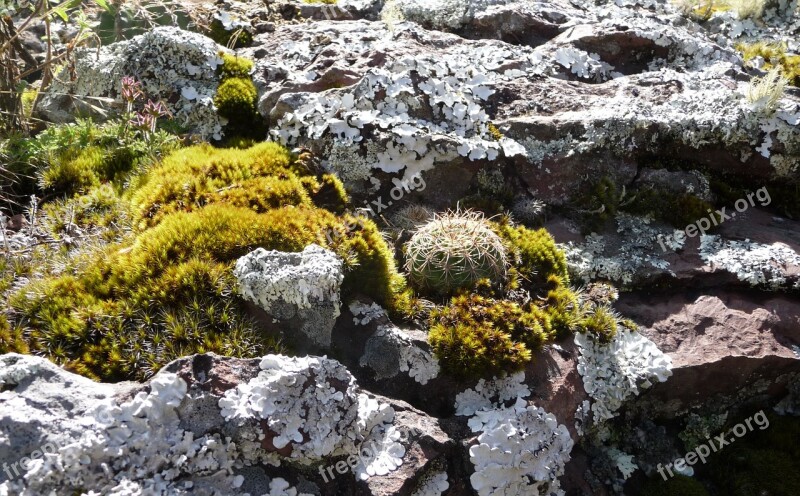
(214, 424)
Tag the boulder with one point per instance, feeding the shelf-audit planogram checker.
(175, 66)
(299, 288)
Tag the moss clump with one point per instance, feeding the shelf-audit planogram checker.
(475, 336)
(235, 67)
(101, 207)
(73, 171)
(11, 340)
(763, 462)
(74, 158)
(123, 310)
(454, 251)
(494, 132)
(679, 485)
(678, 210)
(496, 330)
(225, 37)
(601, 322)
(260, 177)
(80, 319)
(774, 55)
(563, 307)
(599, 204)
(535, 255)
(236, 98)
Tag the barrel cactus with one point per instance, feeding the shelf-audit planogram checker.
(454, 251)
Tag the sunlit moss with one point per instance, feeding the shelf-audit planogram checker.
(774, 55)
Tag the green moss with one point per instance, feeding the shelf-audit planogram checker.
(475, 336)
(102, 207)
(599, 204)
(222, 36)
(679, 485)
(73, 171)
(494, 132)
(534, 254)
(74, 158)
(235, 67)
(199, 175)
(774, 55)
(678, 210)
(236, 98)
(563, 307)
(601, 322)
(11, 340)
(764, 461)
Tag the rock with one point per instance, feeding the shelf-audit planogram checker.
(17, 222)
(212, 423)
(175, 66)
(302, 288)
(369, 97)
(750, 249)
(721, 343)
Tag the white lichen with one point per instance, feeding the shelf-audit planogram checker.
(754, 263)
(312, 405)
(418, 362)
(489, 393)
(520, 450)
(433, 485)
(613, 372)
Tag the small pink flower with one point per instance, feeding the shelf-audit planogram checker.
(131, 89)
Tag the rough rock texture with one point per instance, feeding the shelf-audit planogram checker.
(336, 83)
(301, 287)
(215, 424)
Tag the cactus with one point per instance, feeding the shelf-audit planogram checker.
(454, 251)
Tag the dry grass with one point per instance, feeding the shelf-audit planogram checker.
(766, 92)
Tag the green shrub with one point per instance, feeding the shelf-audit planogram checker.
(455, 251)
(679, 485)
(475, 336)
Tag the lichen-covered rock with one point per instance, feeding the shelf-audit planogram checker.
(204, 425)
(424, 98)
(612, 372)
(309, 409)
(175, 66)
(302, 286)
(390, 351)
